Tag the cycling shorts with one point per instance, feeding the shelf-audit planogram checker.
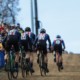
(12, 41)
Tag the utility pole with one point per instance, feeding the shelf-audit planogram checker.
(32, 23)
(36, 17)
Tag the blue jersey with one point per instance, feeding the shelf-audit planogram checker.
(59, 41)
(32, 36)
(15, 33)
(43, 36)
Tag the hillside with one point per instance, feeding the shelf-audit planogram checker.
(71, 69)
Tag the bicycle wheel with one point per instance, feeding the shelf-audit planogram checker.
(28, 68)
(15, 74)
(23, 69)
(9, 71)
(14, 71)
(9, 75)
(41, 63)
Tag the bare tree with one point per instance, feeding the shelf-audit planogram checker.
(8, 10)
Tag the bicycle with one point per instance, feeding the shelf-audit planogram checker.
(25, 65)
(42, 63)
(10, 65)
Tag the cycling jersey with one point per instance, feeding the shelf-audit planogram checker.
(41, 42)
(32, 36)
(43, 37)
(14, 33)
(26, 41)
(12, 38)
(58, 45)
(59, 41)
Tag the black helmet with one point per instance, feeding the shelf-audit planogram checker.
(27, 29)
(58, 36)
(42, 31)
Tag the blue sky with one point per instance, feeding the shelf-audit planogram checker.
(57, 17)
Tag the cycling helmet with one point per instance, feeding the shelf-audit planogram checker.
(42, 31)
(27, 29)
(58, 36)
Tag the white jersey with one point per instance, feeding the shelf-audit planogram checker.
(41, 36)
(58, 41)
(23, 36)
(12, 32)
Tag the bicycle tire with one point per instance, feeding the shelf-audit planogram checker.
(41, 62)
(9, 75)
(15, 74)
(9, 72)
(22, 68)
(59, 66)
(22, 62)
(28, 68)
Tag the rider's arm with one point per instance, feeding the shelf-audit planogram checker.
(35, 41)
(29, 40)
(18, 34)
(63, 44)
(48, 38)
(4, 40)
(33, 37)
(53, 44)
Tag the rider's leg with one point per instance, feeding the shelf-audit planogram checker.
(57, 59)
(7, 49)
(46, 59)
(61, 61)
(31, 59)
(6, 56)
(27, 56)
(37, 56)
(16, 47)
(17, 57)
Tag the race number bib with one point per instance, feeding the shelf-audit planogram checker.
(23, 36)
(12, 32)
(41, 36)
(57, 41)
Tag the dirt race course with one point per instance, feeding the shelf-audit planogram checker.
(71, 69)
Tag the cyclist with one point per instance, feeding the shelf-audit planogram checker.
(59, 46)
(12, 38)
(25, 41)
(30, 49)
(41, 42)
